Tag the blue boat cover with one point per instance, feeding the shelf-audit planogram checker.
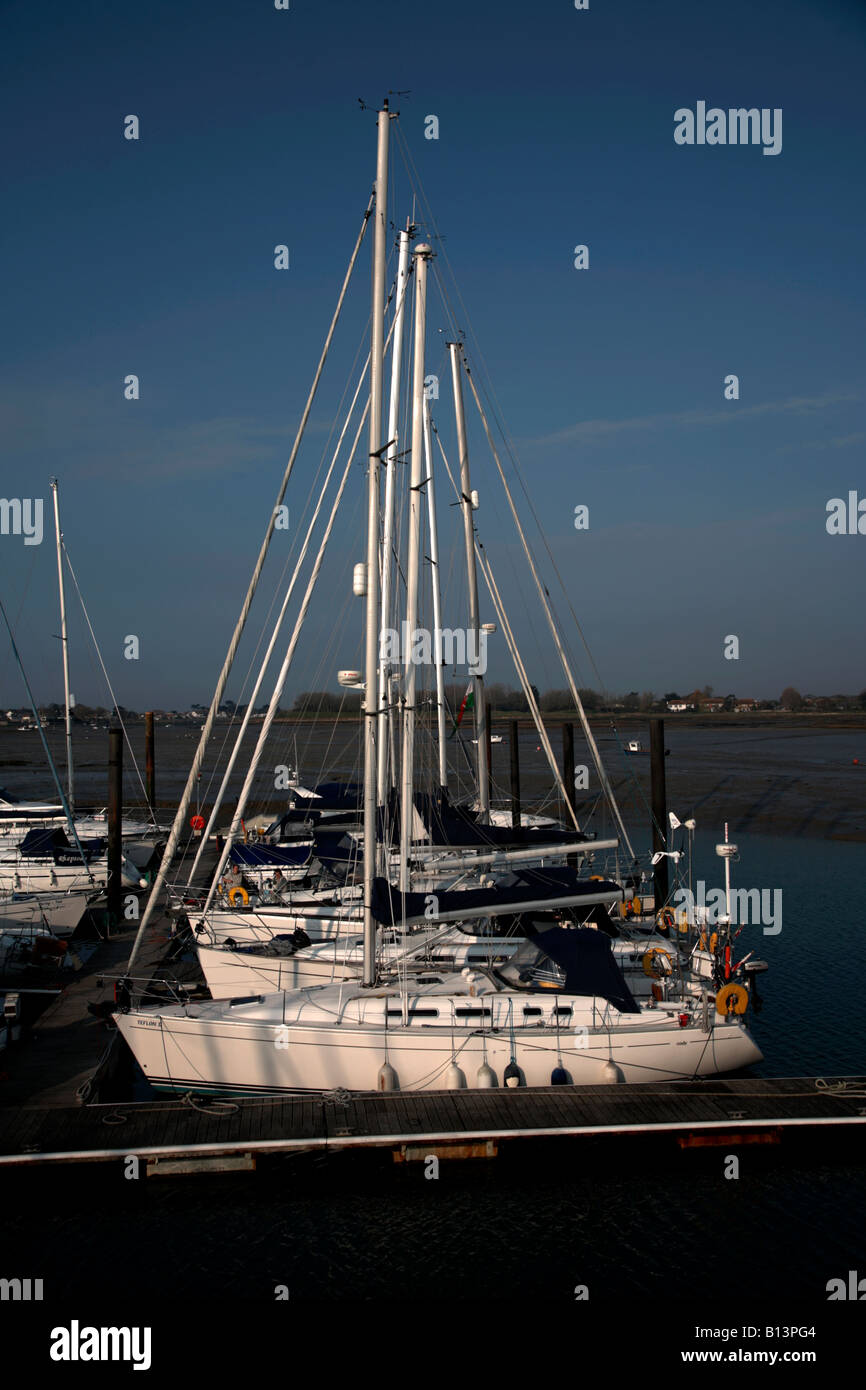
(391, 907)
(588, 961)
(331, 796)
(270, 856)
(39, 844)
(456, 827)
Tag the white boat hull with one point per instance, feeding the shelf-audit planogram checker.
(59, 912)
(25, 875)
(198, 1051)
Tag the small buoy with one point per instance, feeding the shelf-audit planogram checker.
(387, 1078)
(611, 1073)
(485, 1077)
(512, 1075)
(455, 1078)
(560, 1077)
(856, 761)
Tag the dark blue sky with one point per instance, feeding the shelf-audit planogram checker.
(707, 517)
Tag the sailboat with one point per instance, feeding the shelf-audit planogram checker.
(558, 1008)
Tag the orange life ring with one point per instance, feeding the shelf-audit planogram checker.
(665, 920)
(649, 962)
(733, 999)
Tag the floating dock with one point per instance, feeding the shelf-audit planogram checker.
(204, 1132)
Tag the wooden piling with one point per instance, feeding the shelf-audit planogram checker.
(568, 761)
(149, 767)
(488, 733)
(515, 775)
(115, 833)
(659, 804)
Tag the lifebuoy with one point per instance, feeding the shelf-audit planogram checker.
(596, 878)
(649, 962)
(733, 999)
(238, 892)
(665, 920)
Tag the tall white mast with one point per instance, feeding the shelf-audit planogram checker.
(474, 623)
(390, 491)
(437, 598)
(371, 664)
(413, 563)
(70, 776)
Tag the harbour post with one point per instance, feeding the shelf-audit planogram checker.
(568, 776)
(487, 738)
(149, 773)
(568, 761)
(659, 805)
(515, 775)
(115, 815)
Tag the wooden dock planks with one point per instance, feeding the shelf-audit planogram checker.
(284, 1123)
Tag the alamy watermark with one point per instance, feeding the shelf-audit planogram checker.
(739, 126)
(756, 907)
(844, 518)
(77, 1343)
(443, 646)
(22, 516)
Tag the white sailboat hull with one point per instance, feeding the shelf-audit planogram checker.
(177, 1051)
(25, 875)
(59, 912)
(321, 923)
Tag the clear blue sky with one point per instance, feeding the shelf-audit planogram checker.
(707, 517)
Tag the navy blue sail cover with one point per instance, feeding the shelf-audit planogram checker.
(391, 907)
(336, 851)
(53, 843)
(331, 796)
(459, 828)
(589, 964)
(270, 856)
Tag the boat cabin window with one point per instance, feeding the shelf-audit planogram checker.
(529, 968)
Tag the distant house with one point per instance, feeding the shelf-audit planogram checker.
(678, 706)
(745, 706)
(712, 705)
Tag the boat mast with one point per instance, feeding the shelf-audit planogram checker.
(371, 663)
(390, 490)
(70, 776)
(474, 623)
(413, 563)
(70, 819)
(437, 598)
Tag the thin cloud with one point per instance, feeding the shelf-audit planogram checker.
(123, 439)
(842, 441)
(695, 419)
